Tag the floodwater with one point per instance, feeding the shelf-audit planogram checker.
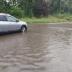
(44, 48)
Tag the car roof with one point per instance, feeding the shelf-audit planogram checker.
(5, 14)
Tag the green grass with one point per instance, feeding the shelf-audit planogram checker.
(50, 19)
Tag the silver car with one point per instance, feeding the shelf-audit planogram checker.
(10, 23)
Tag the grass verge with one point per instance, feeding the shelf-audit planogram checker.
(50, 19)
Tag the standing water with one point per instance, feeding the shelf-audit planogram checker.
(44, 48)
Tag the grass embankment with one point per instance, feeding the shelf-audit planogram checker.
(50, 19)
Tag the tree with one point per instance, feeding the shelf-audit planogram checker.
(40, 8)
(26, 6)
(4, 6)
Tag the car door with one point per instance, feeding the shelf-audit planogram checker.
(13, 23)
(3, 23)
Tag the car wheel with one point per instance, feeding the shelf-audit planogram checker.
(23, 29)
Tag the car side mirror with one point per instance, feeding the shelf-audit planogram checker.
(17, 20)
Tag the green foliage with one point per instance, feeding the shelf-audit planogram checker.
(16, 11)
(37, 8)
(50, 19)
(40, 8)
(26, 5)
(4, 6)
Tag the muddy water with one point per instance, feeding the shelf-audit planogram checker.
(44, 48)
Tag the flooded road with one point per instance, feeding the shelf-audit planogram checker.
(44, 48)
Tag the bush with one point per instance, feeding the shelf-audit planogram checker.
(16, 12)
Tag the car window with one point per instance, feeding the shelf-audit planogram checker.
(3, 18)
(11, 19)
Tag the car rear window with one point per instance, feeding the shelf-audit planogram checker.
(3, 18)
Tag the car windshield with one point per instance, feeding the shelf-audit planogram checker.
(3, 18)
